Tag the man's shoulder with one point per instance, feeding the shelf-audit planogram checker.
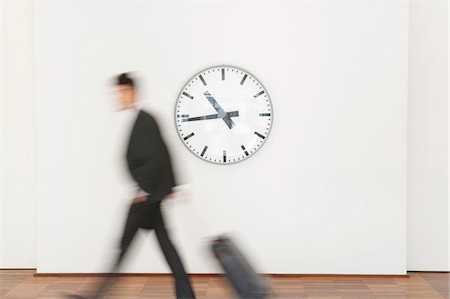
(147, 117)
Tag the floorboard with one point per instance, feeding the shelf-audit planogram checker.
(23, 284)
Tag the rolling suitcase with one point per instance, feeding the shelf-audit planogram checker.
(246, 282)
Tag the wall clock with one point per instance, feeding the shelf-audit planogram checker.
(223, 114)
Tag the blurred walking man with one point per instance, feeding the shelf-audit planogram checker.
(150, 166)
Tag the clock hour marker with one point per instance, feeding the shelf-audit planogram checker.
(257, 134)
(189, 136)
(223, 74)
(203, 80)
(264, 114)
(258, 94)
(204, 150)
(188, 95)
(243, 79)
(182, 115)
(224, 156)
(245, 151)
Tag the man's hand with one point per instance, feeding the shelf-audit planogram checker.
(172, 195)
(138, 199)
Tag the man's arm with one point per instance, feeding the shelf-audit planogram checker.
(147, 168)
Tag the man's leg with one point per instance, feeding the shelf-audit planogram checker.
(130, 229)
(182, 284)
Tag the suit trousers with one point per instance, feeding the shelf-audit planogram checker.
(149, 217)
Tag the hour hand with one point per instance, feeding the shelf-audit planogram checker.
(227, 118)
(216, 105)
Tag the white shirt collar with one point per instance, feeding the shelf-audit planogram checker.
(134, 109)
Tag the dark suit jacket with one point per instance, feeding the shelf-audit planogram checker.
(149, 160)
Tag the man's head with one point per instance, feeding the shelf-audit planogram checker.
(126, 90)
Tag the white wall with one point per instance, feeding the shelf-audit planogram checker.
(428, 201)
(17, 189)
(326, 193)
(427, 233)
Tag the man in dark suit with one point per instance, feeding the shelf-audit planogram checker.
(150, 166)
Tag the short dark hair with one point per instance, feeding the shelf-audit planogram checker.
(125, 79)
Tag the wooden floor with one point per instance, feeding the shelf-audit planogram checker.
(23, 284)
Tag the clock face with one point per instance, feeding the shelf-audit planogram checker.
(223, 114)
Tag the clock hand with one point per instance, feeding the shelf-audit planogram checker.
(232, 114)
(227, 119)
(216, 105)
(204, 117)
(211, 116)
(221, 113)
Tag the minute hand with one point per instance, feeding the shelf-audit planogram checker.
(204, 117)
(211, 116)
